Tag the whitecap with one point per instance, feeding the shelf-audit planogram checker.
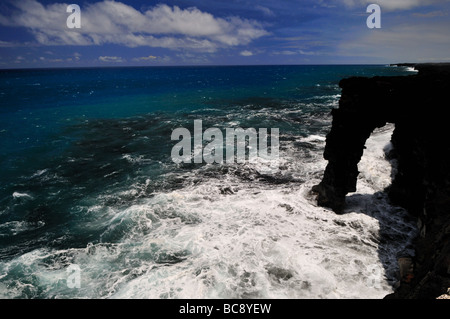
(313, 138)
(411, 69)
(22, 195)
(139, 159)
(39, 172)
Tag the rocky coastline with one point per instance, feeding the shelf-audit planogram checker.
(416, 105)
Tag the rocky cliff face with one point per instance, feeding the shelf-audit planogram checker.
(417, 105)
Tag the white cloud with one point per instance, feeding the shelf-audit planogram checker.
(285, 52)
(307, 52)
(118, 23)
(391, 5)
(20, 59)
(189, 58)
(109, 59)
(265, 11)
(296, 52)
(432, 14)
(77, 56)
(6, 44)
(417, 42)
(246, 53)
(145, 58)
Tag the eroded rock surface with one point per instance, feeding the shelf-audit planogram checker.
(418, 106)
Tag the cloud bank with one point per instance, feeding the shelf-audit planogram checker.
(111, 22)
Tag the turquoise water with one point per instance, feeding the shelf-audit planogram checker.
(87, 177)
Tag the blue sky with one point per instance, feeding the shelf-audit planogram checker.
(34, 33)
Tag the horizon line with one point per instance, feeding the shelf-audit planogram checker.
(200, 65)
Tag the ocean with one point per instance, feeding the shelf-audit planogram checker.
(93, 206)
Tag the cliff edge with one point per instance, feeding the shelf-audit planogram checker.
(417, 105)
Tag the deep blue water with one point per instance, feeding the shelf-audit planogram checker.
(80, 146)
(44, 111)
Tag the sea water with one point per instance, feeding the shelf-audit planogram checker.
(92, 205)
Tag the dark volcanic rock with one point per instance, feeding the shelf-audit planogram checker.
(416, 104)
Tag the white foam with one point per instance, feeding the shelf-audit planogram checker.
(266, 243)
(411, 69)
(22, 195)
(39, 172)
(258, 241)
(240, 240)
(135, 159)
(15, 227)
(374, 169)
(311, 138)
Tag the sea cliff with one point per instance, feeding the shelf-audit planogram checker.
(417, 105)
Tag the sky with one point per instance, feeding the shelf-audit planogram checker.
(35, 33)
